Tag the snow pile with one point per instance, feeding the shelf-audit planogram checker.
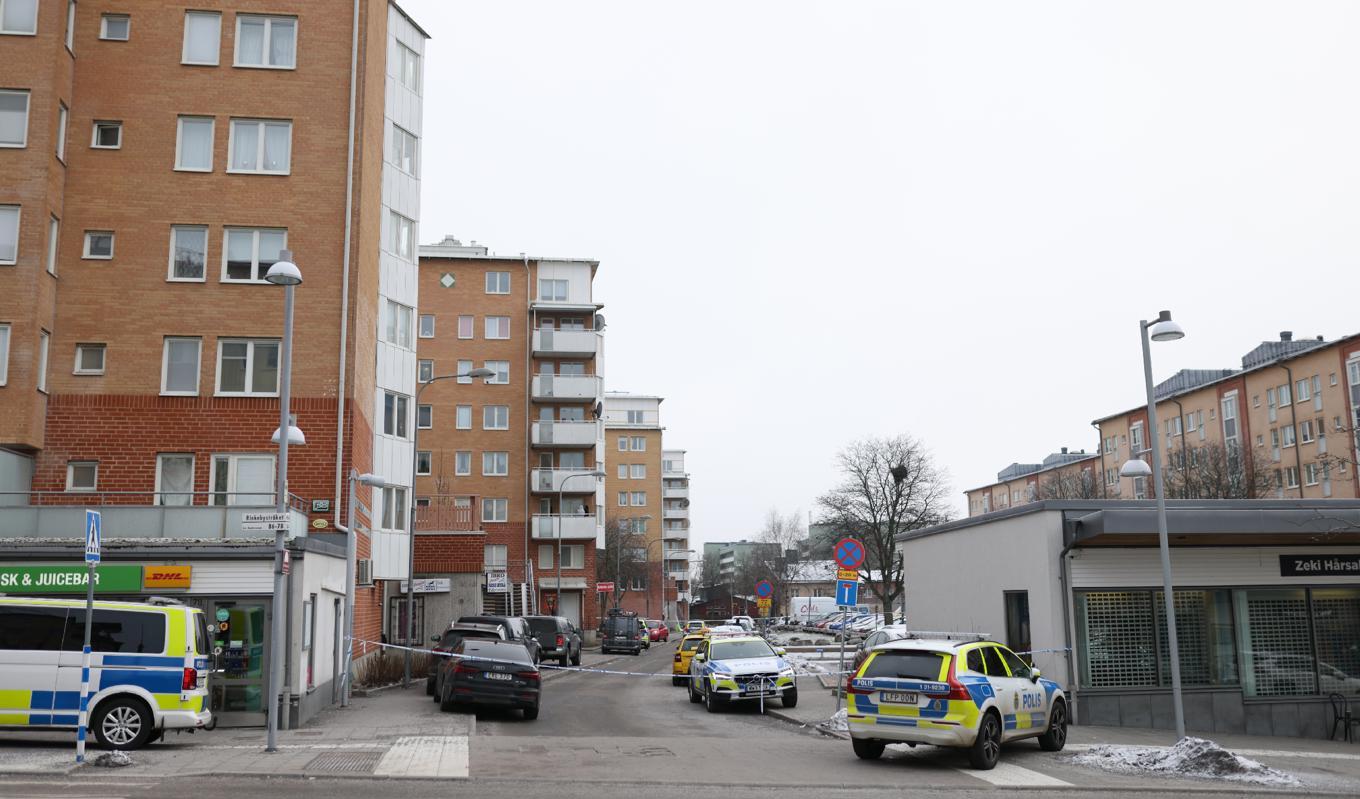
(836, 723)
(1190, 757)
(113, 759)
(805, 666)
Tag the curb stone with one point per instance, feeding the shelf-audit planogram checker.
(788, 719)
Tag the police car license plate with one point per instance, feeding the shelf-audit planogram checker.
(898, 697)
(491, 675)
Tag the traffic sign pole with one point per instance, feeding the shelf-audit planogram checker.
(93, 546)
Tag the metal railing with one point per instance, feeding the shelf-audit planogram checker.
(448, 513)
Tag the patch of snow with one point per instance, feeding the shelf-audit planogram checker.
(836, 723)
(802, 665)
(114, 759)
(1190, 757)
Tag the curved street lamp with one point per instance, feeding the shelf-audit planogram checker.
(557, 532)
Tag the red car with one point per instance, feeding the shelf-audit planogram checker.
(657, 631)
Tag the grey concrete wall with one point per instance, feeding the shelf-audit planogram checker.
(16, 474)
(463, 599)
(1206, 712)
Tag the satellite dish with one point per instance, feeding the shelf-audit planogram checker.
(684, 503)
(598, 410)
(599, 321)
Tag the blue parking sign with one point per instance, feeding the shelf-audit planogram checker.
(93, 525)
(847, 592)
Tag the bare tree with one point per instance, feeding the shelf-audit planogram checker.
(889, 486)
(623, 559)
(1214, 470)
(777, 556)
(1069, 484)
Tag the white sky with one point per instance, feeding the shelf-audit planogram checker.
(823, 221)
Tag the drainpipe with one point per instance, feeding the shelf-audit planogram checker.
(528, 433)
(1294, 422)
(1066, 578)
(344, 275)
(1185, 464)
(1100, 447)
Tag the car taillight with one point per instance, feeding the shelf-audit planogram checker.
(677, 657)
(560, 639)
(957, 690)
(531, 676)
(461, 667)
(850, 684)
(190, 681)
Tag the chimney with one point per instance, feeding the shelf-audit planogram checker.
(1064, 450)
(1286, 335)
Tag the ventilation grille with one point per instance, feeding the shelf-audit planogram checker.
(1120, 649)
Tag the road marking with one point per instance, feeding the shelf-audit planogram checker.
(1009, 775)
(426, 756)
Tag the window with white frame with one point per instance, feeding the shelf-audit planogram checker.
(638, 498)
(249, 252)
(424, 417)
(426, 325)
(9, 234)
(552, 290)
(82, 475)
(498, 327)
(18, 17)
(495, 464)
(242, 479)
(1287, 436)
(638, 471)
(247, 367)
(396, 408)
(1229, 412)
(194, 144)
(202, 38)
(462, 462)
(44, 341)
(107, 134)
(401, 235)
(70, 25)
(495, 417)
(497, 282)
(423, 460)
(1301, 390)
(573, 556)
(4, 354)
(89, 359)
(266, 42)
(63, 116)
(462, 417)
(466, 326)
(1311, 474)
(175, 479)
(495, 555)
(394, 509)
(53, 242)
(115, 27)
(1284, 394)
(402, 151)
(623, 443)
(179, 366)
(623, 499)
(502, 372)
(260, 146)
(637, 443)
(1291, 477)
(397, 324)
(98, 245)
(188, 253)
(623, 471)
(636, 417)
(408, 67)
(1306, 431)
(13, 118)
(495, 509)
(424, 371)
(1317, 392)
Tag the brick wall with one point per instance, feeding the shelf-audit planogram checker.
(449, 553)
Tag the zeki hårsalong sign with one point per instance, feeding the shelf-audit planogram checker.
(113, 578)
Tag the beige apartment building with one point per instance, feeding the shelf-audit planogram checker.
(1062, 472)
(506, 465)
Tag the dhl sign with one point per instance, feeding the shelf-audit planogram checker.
(163, 577)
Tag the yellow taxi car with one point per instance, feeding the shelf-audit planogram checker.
(684, 652)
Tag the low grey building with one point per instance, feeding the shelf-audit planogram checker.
(1267, 599)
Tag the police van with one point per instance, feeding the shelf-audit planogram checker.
(148, 668)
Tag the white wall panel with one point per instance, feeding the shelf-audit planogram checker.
(232, 576)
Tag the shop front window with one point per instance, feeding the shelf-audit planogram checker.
(1336, 626)
(1272, 629)
(1204, 633)
(1127, 644)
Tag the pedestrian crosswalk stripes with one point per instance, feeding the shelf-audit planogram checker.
(1009, 775)
(426, 756)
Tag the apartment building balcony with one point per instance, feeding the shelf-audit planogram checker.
(448, 514)
(566, 343)
(547, 526)
(677, 492)
(565, 434)
(684, 596)
(571, 388)
(124, 514)
(675, 513)
(678, 574)
(552, 481)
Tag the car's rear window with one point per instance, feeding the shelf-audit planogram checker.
(689, 644)
(200, 623)
(494, 650)
(545, 627)
(907, 665)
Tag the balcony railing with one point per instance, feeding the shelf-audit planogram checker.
(567, 387)
(448, 514)
(566, 434)
(675, 513)
(566, 343)
(675, 493)
(142, 514)
(550, 481)
(548, 527)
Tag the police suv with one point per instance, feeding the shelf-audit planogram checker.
(731, 668)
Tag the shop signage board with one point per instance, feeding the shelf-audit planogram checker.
(429, 585)
(108, 578)
(166, 577)
(1320, 565)
(605, 587)
(497, 582)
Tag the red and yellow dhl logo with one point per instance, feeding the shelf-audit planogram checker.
(166, 576)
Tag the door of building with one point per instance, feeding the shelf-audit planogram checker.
(239, 657)
(570, 607)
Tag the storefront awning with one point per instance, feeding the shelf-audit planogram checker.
(1217, 527)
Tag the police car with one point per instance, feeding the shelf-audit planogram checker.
(732, 668)
(968, 692)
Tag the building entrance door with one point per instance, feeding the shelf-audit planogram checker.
(239, 680)
(569, 607)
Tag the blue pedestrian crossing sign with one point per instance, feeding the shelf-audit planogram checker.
(93, 525)
(847, 592)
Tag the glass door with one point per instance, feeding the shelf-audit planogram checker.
(239, 681)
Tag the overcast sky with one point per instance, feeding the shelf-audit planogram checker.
(822, 221)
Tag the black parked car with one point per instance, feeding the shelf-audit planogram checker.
(516, 629)
(623, 631)
(491, 674)
(450, 639)
(558, 639)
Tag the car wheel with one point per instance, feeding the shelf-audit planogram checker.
(531, 713)
(790, 698)
(986, 748)
(446, 703)
(694, 696)
(867, 750)
(429, 686)
(712, 703)
(576, 658)
(677, 680)
(122, 723)
(1056, 737)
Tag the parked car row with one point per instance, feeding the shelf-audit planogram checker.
(493, 660)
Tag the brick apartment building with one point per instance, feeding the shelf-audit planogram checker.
(507, 463)
(156, 161)
(1020, 483)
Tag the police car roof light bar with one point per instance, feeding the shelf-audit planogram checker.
(949, 635)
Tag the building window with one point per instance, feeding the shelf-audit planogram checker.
(248, 367)
(260, 146)
(13, 119)
(82, 475)
(496, 417)
(465, 326)
(44, 341)
(1229, 411)
(502, 370)
(495, 464)
(188, 253)
(552, 290)
(53, 241)
(423, 459)
(394, 509)
(397, 325)
(424, 417)
(115, 27)
(639, 471)
(4, 354)
(494, 555)
(1311, 474)
(637, 443)
(498, 327)
(9, 234)
(179, 366)
(635, 417)
(497, 282)
(1126, 641)
(462, 463)
(403, 149)
(495, 509)
(462, 372)
(1284, 394)
(408, 67)
(243, 480)
(1301, 393)
(395, 411)
(98, 245)
(194, 144)
(573, 556)
(107, 135)
(426, 329)
(63, 115)
(623, 471)
(249, 252)
(266, 42)
(18, 17)
(424, 371)
(70, 25)
(89, 359)
(174, 479)
(1282, 655)
(623, 499)
(1287, 436)
(202, 38)
(623, 443)
(1306, 431)
(1291, 477)
(1317, 392)
(401, 235)
(462, 417)
(638, 498)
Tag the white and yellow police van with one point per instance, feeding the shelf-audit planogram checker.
(148, 668)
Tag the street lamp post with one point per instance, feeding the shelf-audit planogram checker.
(1160, 329)
(557, 533)
(411, 520)
(351, 583)
(282, 273)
